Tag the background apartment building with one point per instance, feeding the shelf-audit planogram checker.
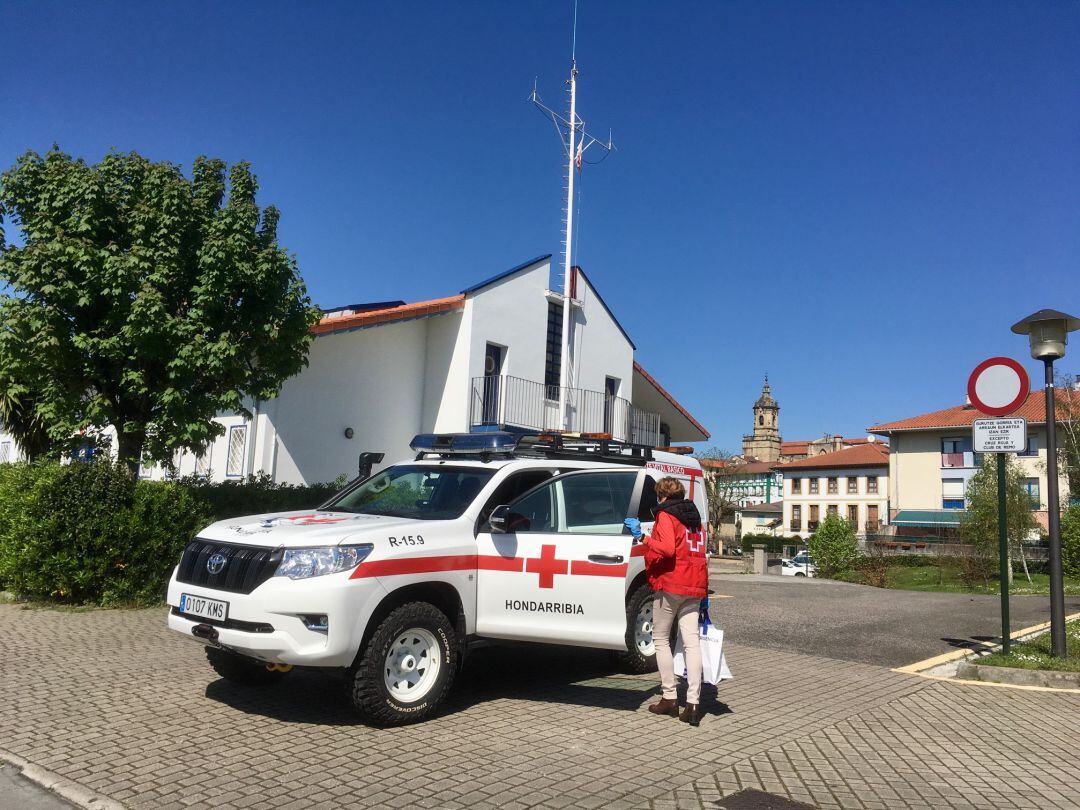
(852, 483)
(932, 460)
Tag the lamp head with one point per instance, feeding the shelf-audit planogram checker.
(1047, 332)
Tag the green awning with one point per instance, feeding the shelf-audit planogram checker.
(942, 518)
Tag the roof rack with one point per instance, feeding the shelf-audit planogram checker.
(591, 446)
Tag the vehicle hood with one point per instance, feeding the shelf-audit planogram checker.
(308, 528)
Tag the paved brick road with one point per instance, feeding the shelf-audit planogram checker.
(111, 700)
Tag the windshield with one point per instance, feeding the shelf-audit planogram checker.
(419, 492)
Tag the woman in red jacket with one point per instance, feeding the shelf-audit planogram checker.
(678, 572)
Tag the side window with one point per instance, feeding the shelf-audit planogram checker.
(534, 513)
(596, 503)
(515, 485)
(648, 500)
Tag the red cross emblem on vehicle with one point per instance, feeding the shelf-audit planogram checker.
(546, 566)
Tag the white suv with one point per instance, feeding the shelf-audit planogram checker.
(481, 536)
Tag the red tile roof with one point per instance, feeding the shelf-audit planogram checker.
(872, 454)
(794, 448)
(724, 467)
(669, 398)
(338, 322)
(1033, 410)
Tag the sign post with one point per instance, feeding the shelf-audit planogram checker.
(996, 387)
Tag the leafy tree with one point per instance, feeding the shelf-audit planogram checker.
(1070, 541)
(19, 417)
(833, 546)
(144, 300)
(979, 525)
(1067, 405)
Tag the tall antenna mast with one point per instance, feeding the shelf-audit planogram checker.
(576, 141)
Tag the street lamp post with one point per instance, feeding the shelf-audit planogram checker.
(1047, 332)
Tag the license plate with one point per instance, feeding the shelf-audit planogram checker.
(204, 608)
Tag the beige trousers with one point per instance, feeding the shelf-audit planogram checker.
(669, 608)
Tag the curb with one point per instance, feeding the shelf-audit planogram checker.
(925, 668)
(61, 786)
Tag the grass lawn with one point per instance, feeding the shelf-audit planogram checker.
(1035, 654)
(946, 580)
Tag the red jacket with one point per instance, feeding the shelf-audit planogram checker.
(675, 557)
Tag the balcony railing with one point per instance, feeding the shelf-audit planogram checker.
(503, 401)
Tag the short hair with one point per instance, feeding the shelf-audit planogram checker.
(670, 488)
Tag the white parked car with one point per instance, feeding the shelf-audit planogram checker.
(798, 566)
(480, 536)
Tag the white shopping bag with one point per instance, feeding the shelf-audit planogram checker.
(714, 666)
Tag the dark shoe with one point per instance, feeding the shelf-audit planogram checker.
(691, 715)
(666, 706)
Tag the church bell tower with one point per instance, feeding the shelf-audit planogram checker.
(764, 443)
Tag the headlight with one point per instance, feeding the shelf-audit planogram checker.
(301, 563)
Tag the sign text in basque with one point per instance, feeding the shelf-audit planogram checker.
(1000, 435)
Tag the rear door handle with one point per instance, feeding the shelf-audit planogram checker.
(609, 559)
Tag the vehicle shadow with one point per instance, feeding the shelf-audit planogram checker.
(972, 642)
(559, 676)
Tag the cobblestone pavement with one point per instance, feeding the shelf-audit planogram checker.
(113, 701)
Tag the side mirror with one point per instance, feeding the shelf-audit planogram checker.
(367, 461)
(498, 519)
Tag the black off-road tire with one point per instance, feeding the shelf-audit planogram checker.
(632, 660)
(365, 682)
(240, 669)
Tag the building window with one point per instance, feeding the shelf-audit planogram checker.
(872, 524)
(1032, 448)
(1032, 487)
(553, 359)
(796, 486)
(202, 462)
(833, 489)
(815, 515)
(146, 465)
(815, 486)
(952, 452)
(952, 493)
(234, 467)
(853, 515)
(853, 485)
(832, 509)
(5, 452)
(796, 518)
(871, 485)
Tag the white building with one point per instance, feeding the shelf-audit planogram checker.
(484, 359)
(852, 483)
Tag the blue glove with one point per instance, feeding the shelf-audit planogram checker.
(634, 525)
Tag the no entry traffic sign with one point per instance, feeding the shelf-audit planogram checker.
(998, 386)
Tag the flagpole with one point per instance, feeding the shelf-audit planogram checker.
(565, 380)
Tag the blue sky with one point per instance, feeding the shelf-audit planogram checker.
(858, 197)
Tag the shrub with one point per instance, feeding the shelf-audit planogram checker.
(258, 495)
(1070, 541)
(834, 548)
(91, 533)
(773, 545)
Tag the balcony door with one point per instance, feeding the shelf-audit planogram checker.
(494, 356)
(611, 393)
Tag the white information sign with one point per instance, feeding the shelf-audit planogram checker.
(1000, 435)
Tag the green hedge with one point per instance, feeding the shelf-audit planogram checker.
(258, 495)
(85, 533)
(92, 533)
(773, 545)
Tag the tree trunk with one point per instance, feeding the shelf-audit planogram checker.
(1023, 559)
(129, 448)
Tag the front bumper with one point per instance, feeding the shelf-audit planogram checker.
(266, 624)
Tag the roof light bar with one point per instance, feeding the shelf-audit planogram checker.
(496, 442)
